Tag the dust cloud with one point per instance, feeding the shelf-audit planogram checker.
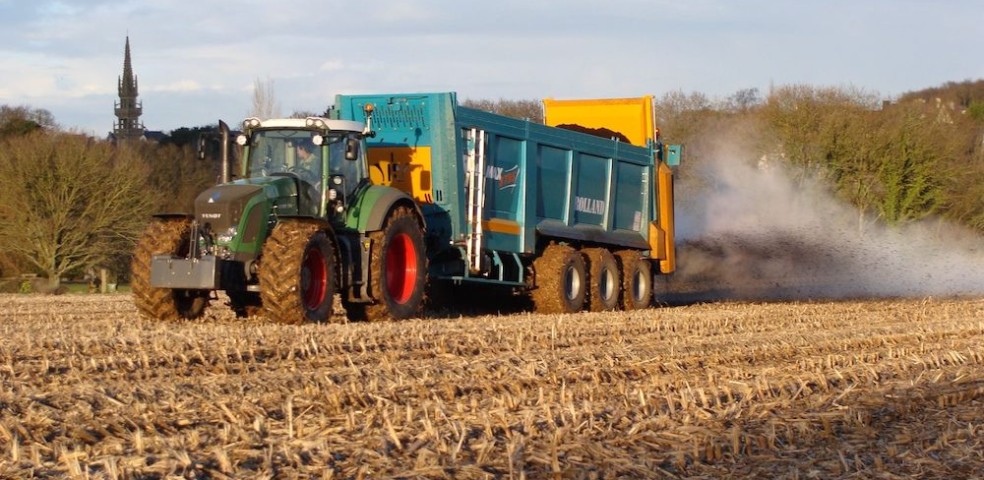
(747, 229)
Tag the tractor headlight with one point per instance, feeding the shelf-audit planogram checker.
(315, 122)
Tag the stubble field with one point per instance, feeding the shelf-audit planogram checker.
(852, 389)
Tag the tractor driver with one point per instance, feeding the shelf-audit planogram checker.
(308, 162)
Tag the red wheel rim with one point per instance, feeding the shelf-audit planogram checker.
(401, 268)
(314, 278)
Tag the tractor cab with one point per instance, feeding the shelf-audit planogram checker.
(324, 157)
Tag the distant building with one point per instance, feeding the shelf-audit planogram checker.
(128, 108)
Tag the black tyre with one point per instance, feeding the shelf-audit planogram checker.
(637, 280)
(605, 280)
(242, 301)
(298, 273)
(164, 236)
(442, 296)
(244, 304)
(397, 270)
(561, 280)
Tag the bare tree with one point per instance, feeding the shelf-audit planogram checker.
(68, 201)
(38, 116)
(531, 110)
(743, 100)
(306, 114)
(175, 175)
(265, 103)
(681, 117)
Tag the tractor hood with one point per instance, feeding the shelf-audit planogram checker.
(243, 208)
(222, 206)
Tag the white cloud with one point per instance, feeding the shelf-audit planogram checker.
(73, 49)
(178, 86)
(333, 65)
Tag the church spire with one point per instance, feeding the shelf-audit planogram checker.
(128, 109)
(128, 84)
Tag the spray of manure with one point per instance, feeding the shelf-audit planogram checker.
(748, 230)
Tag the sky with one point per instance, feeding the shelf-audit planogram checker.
(197, 61)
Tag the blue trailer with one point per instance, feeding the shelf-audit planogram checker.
(575, 219)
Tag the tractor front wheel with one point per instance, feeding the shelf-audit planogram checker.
(164, 237)
(298, 273)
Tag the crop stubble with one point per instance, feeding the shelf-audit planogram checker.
(867, 388)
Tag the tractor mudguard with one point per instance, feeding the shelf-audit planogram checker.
(373, 206)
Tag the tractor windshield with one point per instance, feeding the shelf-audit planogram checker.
(285, 151)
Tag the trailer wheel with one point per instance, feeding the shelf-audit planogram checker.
(605, 280)
(164, 236)
(561, 280)
(297, 273)
(637, 280)
(397, 270)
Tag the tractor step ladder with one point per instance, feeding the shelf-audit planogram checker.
(475, 173)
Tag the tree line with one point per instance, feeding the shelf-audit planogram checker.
(70, 202)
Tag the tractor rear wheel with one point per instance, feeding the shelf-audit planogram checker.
(605, 279)
(397, 270)
(162, 237)
(637, 280)
(561, 280)
(298, 273)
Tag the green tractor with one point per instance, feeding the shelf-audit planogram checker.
(301, 223)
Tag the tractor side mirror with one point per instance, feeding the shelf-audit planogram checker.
(352, 149)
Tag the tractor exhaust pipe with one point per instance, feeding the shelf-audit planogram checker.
(224, 138)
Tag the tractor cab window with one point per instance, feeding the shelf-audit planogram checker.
(285, 152)
(351, 171)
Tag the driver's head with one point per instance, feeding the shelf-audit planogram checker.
(303, 148)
